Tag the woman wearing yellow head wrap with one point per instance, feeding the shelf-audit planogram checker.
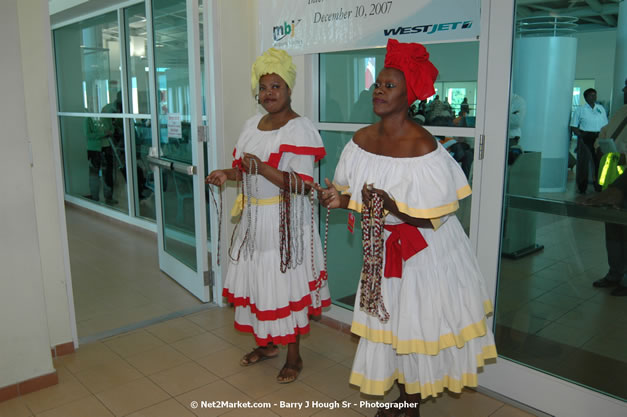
(275, 151)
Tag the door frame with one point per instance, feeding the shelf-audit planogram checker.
(506, 377)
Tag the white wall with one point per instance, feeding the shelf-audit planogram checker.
(50, 215)
(24, 340)
(595, 60)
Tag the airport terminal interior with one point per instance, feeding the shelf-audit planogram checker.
(148, 345)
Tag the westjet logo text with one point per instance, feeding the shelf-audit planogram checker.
(284, 30)
(428, 29)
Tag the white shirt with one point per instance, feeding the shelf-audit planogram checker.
(589, 119)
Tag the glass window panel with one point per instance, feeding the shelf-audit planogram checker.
(144, 183)
(178, 216)
(346, 85)
(137, 59)
(172, 72)
(87, 56)
(93, 161)
(342, 245)
(549, 315)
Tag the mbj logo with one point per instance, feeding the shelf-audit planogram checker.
(284, 30)
(428, 29)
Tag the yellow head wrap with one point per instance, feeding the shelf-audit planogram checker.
(273, 61)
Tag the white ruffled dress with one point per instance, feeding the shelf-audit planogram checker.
(437, 334)
(275, 306)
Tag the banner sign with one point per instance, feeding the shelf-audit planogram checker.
(314, 26)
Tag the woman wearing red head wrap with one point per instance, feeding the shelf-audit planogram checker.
(422, 304)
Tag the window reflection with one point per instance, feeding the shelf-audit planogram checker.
(346, 86)
(562, 260)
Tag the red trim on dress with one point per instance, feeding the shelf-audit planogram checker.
(266, 315)
(273, 160)
(277, 340)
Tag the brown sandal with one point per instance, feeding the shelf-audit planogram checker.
(294, 373)
(257, 356)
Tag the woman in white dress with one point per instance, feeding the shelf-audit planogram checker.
(275, 151)
(436, 335)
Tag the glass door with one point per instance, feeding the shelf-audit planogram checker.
(177, 154)
(561, 340)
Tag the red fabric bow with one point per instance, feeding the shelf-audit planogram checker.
(404, 242)
(413, 60)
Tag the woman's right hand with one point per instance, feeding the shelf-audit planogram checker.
(329, 197)
(217, 177)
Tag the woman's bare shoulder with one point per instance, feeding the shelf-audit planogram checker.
(364, 135)
(422, 141)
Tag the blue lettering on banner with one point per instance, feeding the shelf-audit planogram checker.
(427, 29)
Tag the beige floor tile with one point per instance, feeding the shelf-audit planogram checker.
(256, 381)
(330, 343)
(243, 412)
(183, 378)
(295, 393)
(109, 375)
(174, 330)
(169, 408)
(14, 408)
(468, 404)
(332, 382)
(312, 361)
(200, 345)
(130, 344)
(88, 356)
(213, 318)
(216, 391)
(223, 363)
(55, 396)
(89, 406)
(64, 374)
(337, 412)
(241, 339)
(132, 396)
(509, 411)
(156, 360)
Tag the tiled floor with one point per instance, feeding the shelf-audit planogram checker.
(160, 370)
(116, 278)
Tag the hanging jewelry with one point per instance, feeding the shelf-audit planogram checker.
(251, 217)
(284, 224)
(321, 277)
(219, 214)
(371, 298)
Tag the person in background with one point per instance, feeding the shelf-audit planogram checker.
(586, 123)
(614, 195)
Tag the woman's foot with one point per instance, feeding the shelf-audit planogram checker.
(290, 371)
(259, 354)
(392, 411)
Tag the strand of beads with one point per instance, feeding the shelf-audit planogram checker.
(284, 224)
(219, 214)
(298, 225)
(239, 251)
(322, 276)
(371, 299)
(251, 216)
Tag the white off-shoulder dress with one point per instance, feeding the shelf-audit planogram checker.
(275, 306)
(437, 335)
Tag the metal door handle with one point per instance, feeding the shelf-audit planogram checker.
(173, 166)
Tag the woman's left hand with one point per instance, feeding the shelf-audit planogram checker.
(246, 163)
(368, 191)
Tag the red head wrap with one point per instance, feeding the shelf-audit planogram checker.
(413, 60)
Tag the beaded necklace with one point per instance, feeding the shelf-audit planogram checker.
(319, 278)
(219, 214)
(371, 299)
(248, 242)
(285, 238)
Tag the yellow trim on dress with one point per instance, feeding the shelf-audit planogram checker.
(429, 213)
(380, 387)
(423, 347)
(240, 201)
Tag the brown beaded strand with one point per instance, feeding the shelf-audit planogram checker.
(284, 224)
(219, 214)
(371, 298)
(323, 276)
